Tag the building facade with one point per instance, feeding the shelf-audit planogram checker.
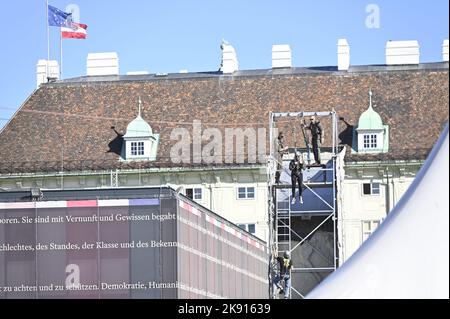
(83, 133)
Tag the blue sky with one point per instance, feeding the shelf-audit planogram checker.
(166, 36)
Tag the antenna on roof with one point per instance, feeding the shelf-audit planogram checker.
(140, 104)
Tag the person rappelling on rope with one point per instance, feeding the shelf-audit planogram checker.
(317, 137)
(280, 151)
(296, 167)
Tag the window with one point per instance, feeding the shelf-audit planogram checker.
(375, 188)
(194, 193)
(198, 193)
(251, 228)
(371, 188)
(137, 148)
(368, 227)
(246, 193)
(370, 141)
(140, 148)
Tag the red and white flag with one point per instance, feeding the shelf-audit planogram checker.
(77, 31)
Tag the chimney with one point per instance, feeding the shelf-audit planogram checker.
(229, 59)
(445, 50)
(41, 71)
(343, 55)
(137, 73)
(102, 64)
(281, 56)
(402, 52)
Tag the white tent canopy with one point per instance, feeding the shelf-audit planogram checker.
(408, 255)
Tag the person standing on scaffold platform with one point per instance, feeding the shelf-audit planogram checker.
(296, 167)
(317, 137)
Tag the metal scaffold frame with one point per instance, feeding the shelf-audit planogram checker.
(276, 218)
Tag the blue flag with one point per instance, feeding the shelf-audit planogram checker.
(58, 18)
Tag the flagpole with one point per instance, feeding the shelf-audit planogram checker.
(48, 40)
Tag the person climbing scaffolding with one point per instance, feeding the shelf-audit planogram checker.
(285, 266)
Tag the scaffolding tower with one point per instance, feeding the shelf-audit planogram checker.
(297, 227)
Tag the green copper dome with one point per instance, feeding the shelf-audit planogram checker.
(370, 120)
(138, 128)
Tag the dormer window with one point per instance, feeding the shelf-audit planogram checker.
(371, 136)
(370, 141)
(137, 148)
(139, 141)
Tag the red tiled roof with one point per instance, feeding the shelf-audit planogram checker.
(72, 120)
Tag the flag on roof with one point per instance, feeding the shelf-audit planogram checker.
(76, 31)
(58, 18)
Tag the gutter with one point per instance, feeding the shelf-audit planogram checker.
(131, 171)
(384, 163)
